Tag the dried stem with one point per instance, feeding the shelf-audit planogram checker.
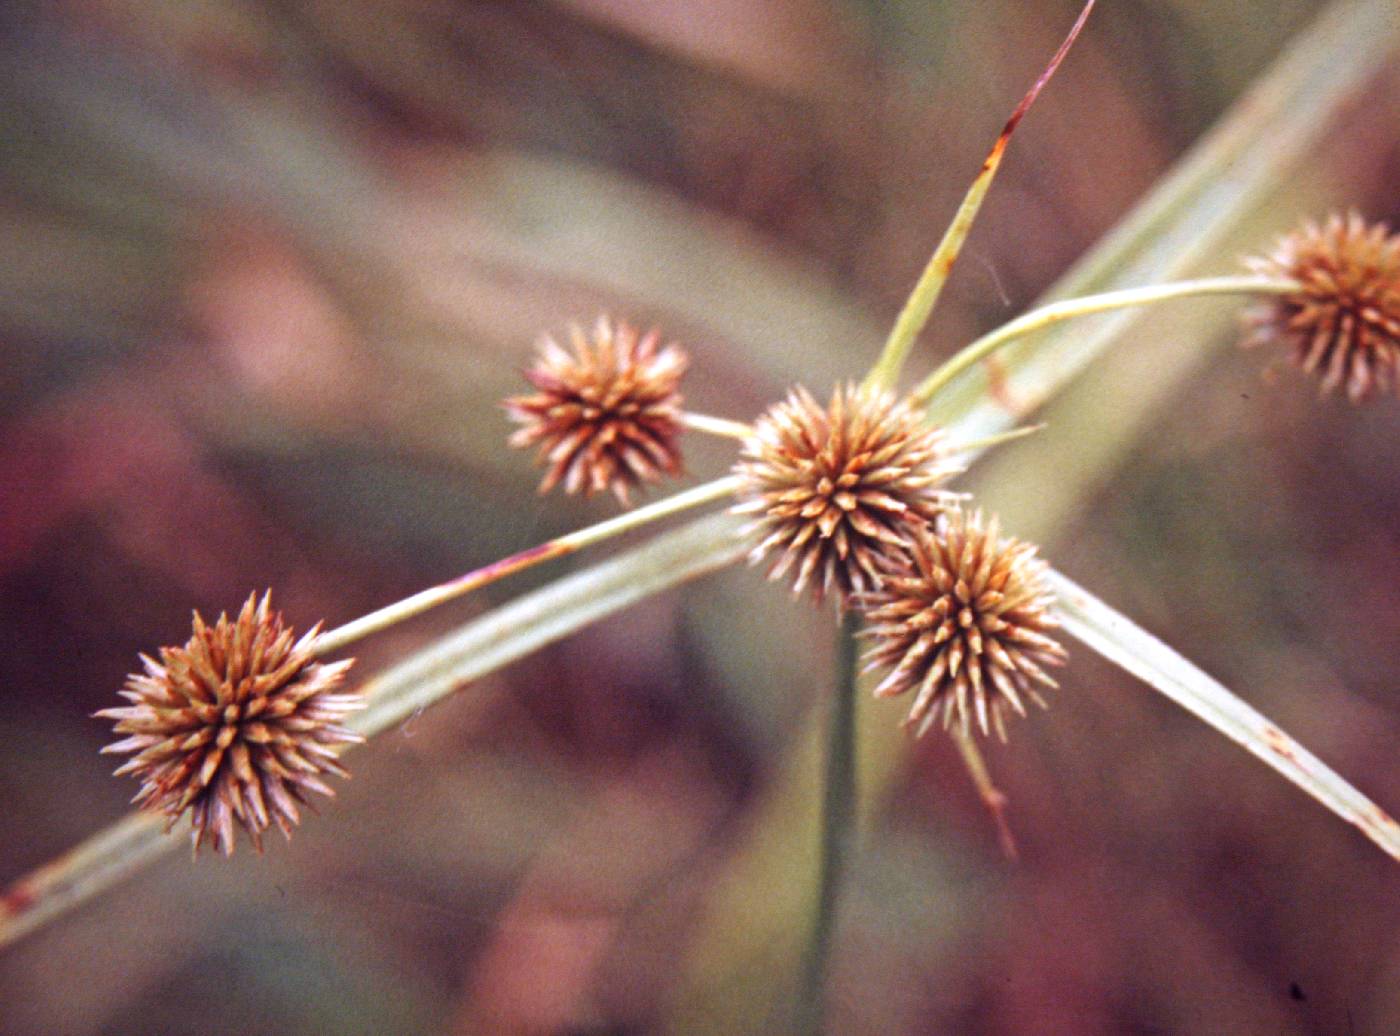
(992, 796)
(1067, 309)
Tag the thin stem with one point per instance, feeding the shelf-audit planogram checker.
(1067, 309)
(837, 830)
(417, 604)
(919, 306)
(992, 796)
(1000, 439)
(716, 425)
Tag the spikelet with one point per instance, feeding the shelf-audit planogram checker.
(965, 624)
(236, 726)
(607, 415)
(1343, 324)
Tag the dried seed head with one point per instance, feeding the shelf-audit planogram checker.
(606, 416)
(236, 726)
(840, 490)
(1344, 322)
(965, 623)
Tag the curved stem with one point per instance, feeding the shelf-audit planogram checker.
(837, 830)
(716, 425)
(1055, 312)
(417, 604)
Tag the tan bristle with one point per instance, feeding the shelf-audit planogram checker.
(965, 625)
(1344, 323)
(236, 726)
(840, 490)
(607, 415)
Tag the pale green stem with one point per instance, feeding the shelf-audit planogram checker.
(716, 425)
(837, 831)
(1000, 439)
(417, 604)
(1067, 309)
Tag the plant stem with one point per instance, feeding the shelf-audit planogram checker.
(1067, 309)
(837, 830)
(417, 604)
(992, 796)
(716, 425)
(92, 866)
(999, 439)
(919, 306)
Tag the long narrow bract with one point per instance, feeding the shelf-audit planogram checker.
(1121, 641)
(919, 307)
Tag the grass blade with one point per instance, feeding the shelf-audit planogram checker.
(1124, 643)
(919, 306)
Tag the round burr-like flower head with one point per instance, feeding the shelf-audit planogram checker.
(236, 726)
(607, 415)
(1343, 323)
(840, 490)
(965, 625)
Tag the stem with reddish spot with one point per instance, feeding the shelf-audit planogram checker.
(417, 604)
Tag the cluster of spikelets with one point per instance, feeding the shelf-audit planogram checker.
(850, 499)
(1343, 322)
(605, 416)
(236, 726)
(965, 625)
(239, 723)
(840, 490)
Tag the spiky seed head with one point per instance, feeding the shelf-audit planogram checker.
(607, 414)
(1343, 324)
(236, 726)
(839, 490)
(965, 625)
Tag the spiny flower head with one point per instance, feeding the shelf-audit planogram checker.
(1343, 323)
(840, 489)
(236, 726)
(605, 416)
(965, 625)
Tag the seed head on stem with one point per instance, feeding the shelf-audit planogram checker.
(840, 489)
(965, 625)
(1343, 323)
(606, 415)
(235, 726)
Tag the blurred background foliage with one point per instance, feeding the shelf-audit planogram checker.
(269, 267)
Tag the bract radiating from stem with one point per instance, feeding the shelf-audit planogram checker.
(919, 306)
(1126, 644)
